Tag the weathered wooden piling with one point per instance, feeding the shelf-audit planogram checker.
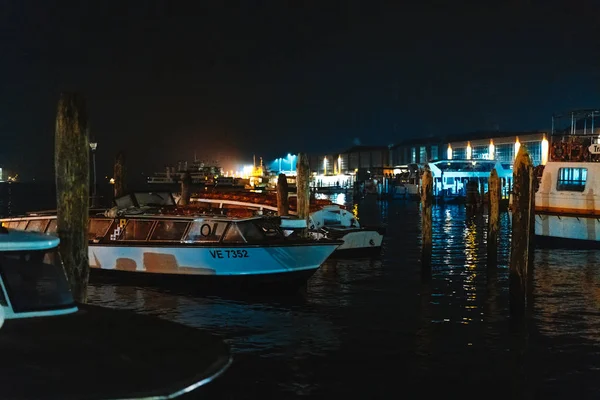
(523, 231)
(71, 163)
(283, 204)
(186, 189)
(494, 193)
(303, 188)
(119, 174)
(426, 224)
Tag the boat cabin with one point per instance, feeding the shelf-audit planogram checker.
(32, 279)
(163, 229)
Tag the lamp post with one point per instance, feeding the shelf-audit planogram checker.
(93, 146)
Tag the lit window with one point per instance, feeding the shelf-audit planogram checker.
(571, 179)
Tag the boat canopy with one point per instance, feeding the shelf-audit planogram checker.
(16, 240)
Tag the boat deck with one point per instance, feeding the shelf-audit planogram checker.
(100, 353)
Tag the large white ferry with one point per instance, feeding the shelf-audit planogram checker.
(567, 201)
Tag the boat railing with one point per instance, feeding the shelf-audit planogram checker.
(575, 148)
(221, 203)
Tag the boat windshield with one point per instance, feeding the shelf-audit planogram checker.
(35, 280)
(270, 228)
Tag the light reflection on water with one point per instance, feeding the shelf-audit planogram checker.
(374, 329)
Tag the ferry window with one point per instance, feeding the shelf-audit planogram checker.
(13, 224)
(206, 231)
(137, 229)
(98, 228)
(450, 181)
(169, 230)
(22, 225)
(269, 228)
(248, 230)
(37, 225)
(242, 232)
(571, 179)
(51, 226)
(233, 235)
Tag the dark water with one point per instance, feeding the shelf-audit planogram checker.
(372, 328)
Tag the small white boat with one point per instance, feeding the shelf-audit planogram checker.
(147, 236)
(335, 222)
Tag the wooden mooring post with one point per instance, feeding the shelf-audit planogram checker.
(523, 232)
(186, 189)
(494, 192)
(426, 223)
(72, 175)
(283, 204)
(119, 175)
(303, 188)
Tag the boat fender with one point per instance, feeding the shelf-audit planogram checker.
(112, 213)
(203, 230)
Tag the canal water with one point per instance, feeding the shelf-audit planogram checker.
(372, 328)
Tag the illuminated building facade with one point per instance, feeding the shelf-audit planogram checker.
(501, 146)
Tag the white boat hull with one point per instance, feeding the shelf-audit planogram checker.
(357, 242)
(558, 227)
(225, 261)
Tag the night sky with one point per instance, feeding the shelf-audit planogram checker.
(163, 79)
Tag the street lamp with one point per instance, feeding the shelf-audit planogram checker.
(93, 146)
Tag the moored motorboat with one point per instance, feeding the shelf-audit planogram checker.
(333, 221)
(147, 237)
(54, 348)
(326, 220)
